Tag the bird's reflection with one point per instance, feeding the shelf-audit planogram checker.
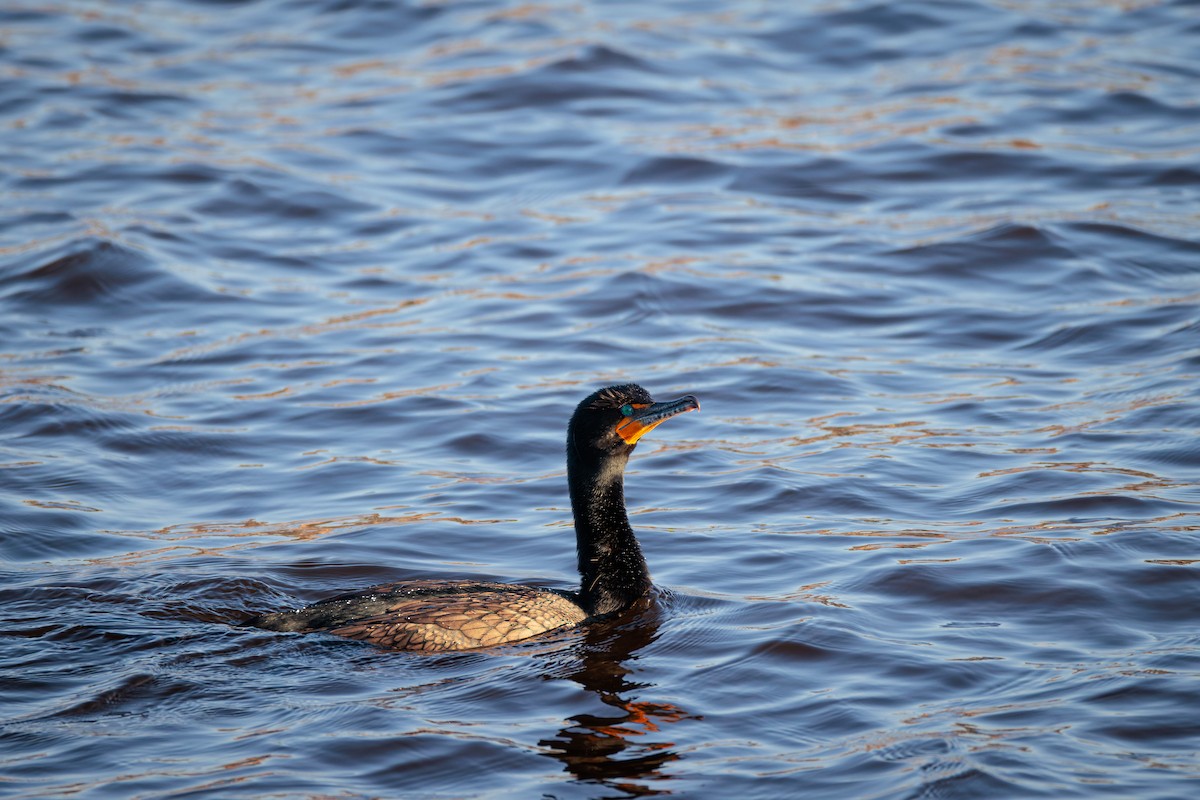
(618, 750)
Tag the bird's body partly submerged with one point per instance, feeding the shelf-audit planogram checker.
(433, 615)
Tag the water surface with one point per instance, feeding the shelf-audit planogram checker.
(297, 297)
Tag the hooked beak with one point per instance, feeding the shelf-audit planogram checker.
(647, 416)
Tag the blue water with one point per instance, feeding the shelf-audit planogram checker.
(297, 297)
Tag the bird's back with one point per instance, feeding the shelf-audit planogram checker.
(434, 615)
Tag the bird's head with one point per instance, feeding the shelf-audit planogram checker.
(610, 421)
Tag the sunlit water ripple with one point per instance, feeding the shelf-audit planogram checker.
(296, 297)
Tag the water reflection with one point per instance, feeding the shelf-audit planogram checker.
(618, 750)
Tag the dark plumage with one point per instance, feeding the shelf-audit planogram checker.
(459, 615)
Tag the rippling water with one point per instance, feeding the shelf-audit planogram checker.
(296, 297)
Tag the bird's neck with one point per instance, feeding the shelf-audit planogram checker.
(612, 570)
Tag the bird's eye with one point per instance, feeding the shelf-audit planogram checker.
(627, 409)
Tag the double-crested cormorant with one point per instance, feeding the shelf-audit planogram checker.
(461, 614)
